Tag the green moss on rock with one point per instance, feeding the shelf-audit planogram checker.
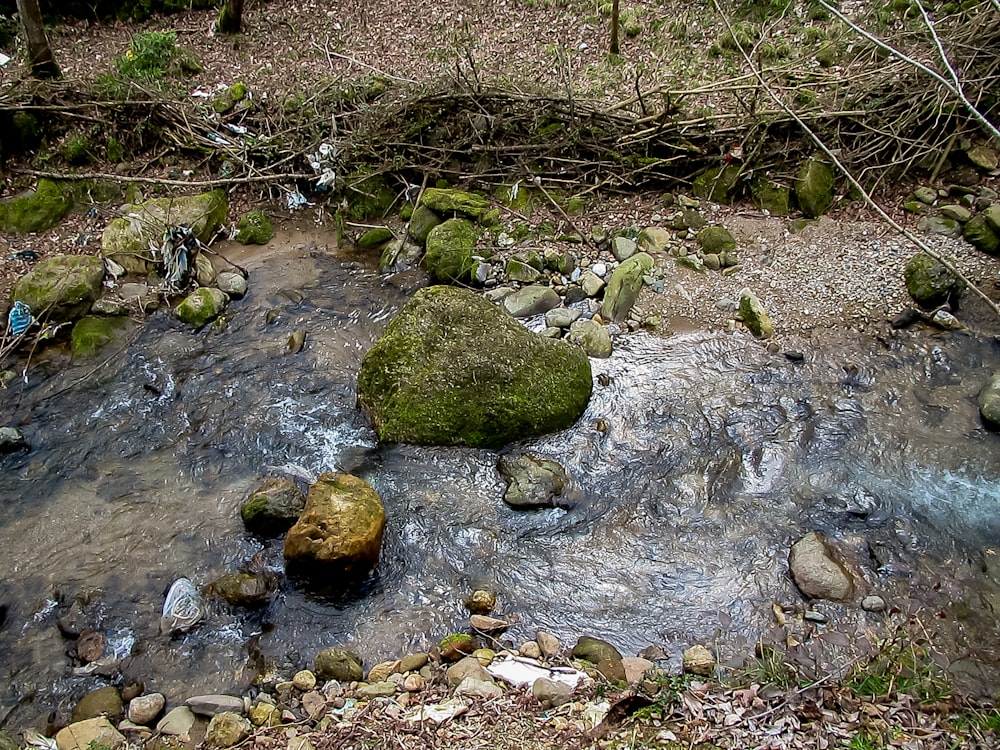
(450, 247)
(375, 237)
(421, 224)
(61, 288)
(37, 211)
(814, 188)
(930, 284)
(755, 317)
(254, 228)
(370, 197)
(979, 233)
(771, 196)
(716, 240)
(449, 201)
(201, 306)
(453, 369)
(624, 286)
(93, 332)
(717, 184)
(228, 99)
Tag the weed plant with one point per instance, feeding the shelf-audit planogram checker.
(148, 56)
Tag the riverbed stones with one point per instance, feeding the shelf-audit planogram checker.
(36, 210)
(201, 306)
(551, 693)
(233, 284)
(517, 269)
(338, 664)
(467, 667)
(340, 529)
(988, 400)
(698, 660)
(89, 734)
(487, 624)
(227, 729)
(548, 644)
(930, 284)
(241, 589)
(177, 723)
(210, 705)
(144, 709)
(979, 233)
(532, 482)
(457, 646)
(561, 317)
(814, 188)
(715, 240)
(591, 283)
(592, 337)
(272, 507)
(105, 701)
(816, 570)
(413, 662)
(653, 240)
(479, 688)
(873, 603)
(595, 650)
(126, 240)
(453, 369)
(60, 288)
(254, 228)
(624, 286)
(754, 316)
(422, 222)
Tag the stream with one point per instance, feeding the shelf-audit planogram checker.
(713, 458)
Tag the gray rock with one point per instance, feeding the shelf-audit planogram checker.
(177, 723)
(624, 286)
(599, 269)
(11, 440)
(531, 300)
(636, 668)
(210, 705)
(412, 662)
(499, 294)
(144, 709)
(518, 270)
(233, 284)
(958, 213)
(817, 571)
(873, 603)
(591, 283)
(548, 643)
(338, 664)
(712, 262)
(592, 337)
(925, 195)
(623, 248)
(272, 507)
(550, 693)
(479, 688)
(377, 690)
(561, 317)
(466, 668)
(989, 400)
(400, 255)
(202, 306)
(532, 482)
(653, 240)
(983, 157)
(941, 225)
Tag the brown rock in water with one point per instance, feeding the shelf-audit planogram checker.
(340, 529)
(485, 624)
(105, 701)
(817, 571)
(90, 646)
(481, 602)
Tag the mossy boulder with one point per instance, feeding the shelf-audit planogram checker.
(422, 222)
(453, 369)
(624, 286)
(93, 332)
(61, 288)
(814, 188)
(771, 196)
(202, 306)
(717, 184)
(592, 337)
(755, 317)
(105, 701)
(595, 650)
(126, 240)
(930, 283)
(716, 240)
(340, 529)
(241, 589)
(254, 228)
(449, 201)
(979, 233)
(375, 237)
(228, 99)
(272, 507)
(450, 249)
(227, 729)
(36, 211)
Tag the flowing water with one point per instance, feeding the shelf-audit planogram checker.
(712, 457)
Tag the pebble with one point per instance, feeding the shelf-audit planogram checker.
(530, 650)
(145, 708)
(599, 269)
(873, 603)
(304, 680)
(413, 683)
(549, 644)
(813, 616)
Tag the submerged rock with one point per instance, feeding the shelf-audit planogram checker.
(453, 369)
(202, 306)
(817, 571)
(340, 529)
(338, 664)
(60, 288)
(532, 482)
(273, 507)
(241, 589)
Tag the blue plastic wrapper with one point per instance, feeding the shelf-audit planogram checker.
(19, 318)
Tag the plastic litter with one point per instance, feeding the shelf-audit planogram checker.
(182, 609)
(19, 318)
(323, 163)
(524, 672)
(438, 712)
(295, 200)
(177, 254)
(34, 738)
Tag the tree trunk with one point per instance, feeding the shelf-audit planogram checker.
(231, 17)
(43, 64)
(615, 49)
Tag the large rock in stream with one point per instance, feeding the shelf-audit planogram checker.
(453, 369)
(817, 571)
(340, 529)
(61, 288)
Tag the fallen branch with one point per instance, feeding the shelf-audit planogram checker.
(164, 181)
